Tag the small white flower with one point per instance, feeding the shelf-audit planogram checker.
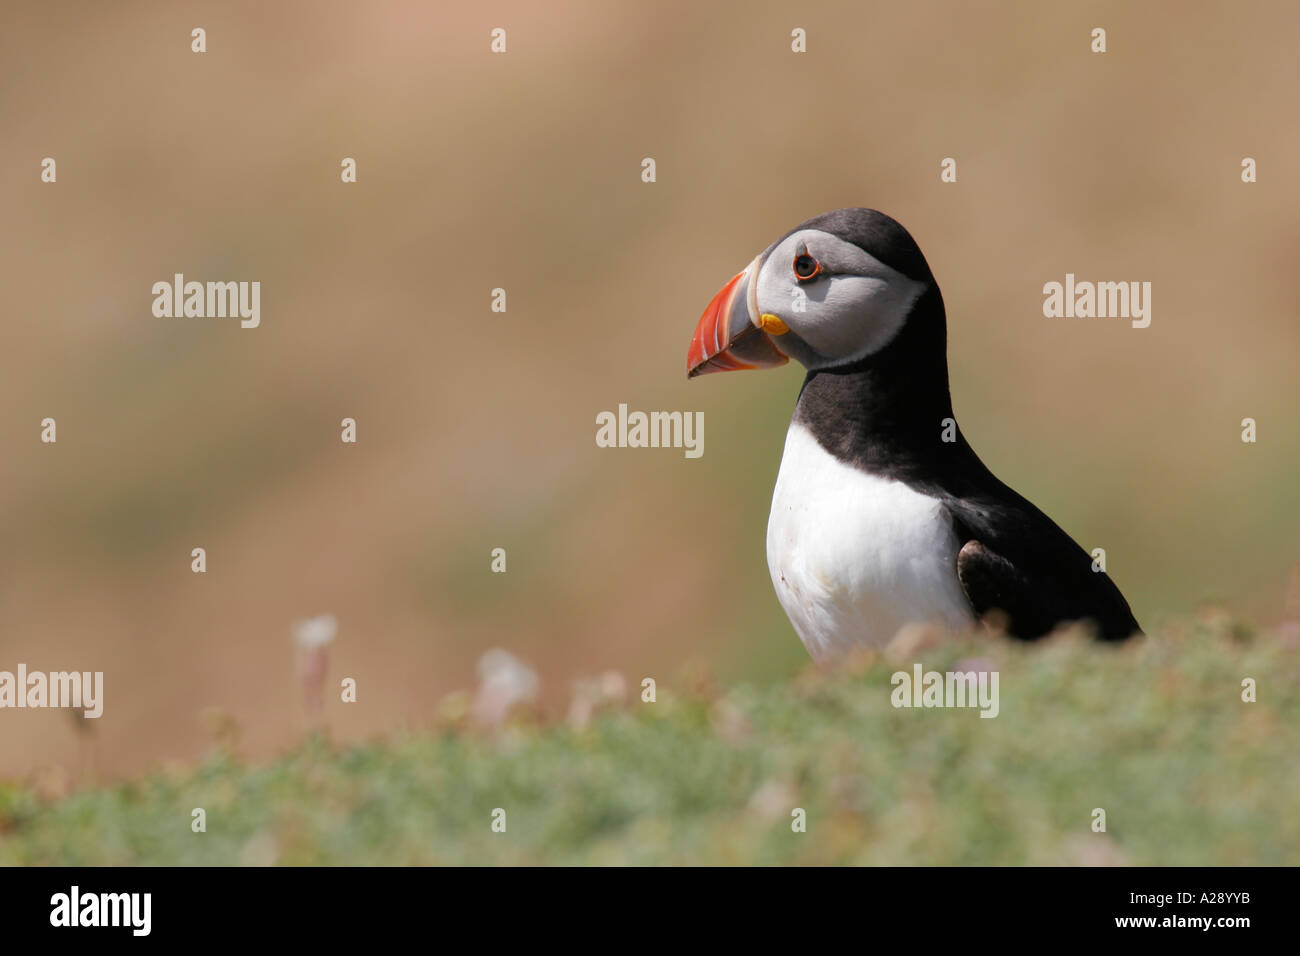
(504, 682)
(315, 632)
(498, 668)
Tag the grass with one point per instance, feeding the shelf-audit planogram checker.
(1155, 733)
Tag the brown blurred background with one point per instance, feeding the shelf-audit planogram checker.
(476, 429)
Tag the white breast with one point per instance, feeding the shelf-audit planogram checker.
(853, 556)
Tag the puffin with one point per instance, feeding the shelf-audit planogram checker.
(882, 514)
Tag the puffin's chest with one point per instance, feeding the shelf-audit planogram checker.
(855, 556)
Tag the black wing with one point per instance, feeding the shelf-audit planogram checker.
(1016, 560)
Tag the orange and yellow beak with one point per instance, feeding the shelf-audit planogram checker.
(731, 334)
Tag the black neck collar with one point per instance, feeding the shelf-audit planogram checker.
(886, 413)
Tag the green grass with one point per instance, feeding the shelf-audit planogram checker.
(1155, 733)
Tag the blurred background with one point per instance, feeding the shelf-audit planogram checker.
(476, 429)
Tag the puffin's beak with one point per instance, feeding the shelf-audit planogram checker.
(728, 336)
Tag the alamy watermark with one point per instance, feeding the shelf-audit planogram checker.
(651, 430)
(211, 300)
(75, 908)
(1101, 300)
(951, 689)
(74, 689)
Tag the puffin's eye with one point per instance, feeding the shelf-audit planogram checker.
(806, 267)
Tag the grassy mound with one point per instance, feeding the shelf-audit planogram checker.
(1155, 733)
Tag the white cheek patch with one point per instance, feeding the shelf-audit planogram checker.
(852, 312)
(859, 315)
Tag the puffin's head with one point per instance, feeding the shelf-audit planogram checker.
(831, 292)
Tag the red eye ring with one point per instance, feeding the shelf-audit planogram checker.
(803, 263)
